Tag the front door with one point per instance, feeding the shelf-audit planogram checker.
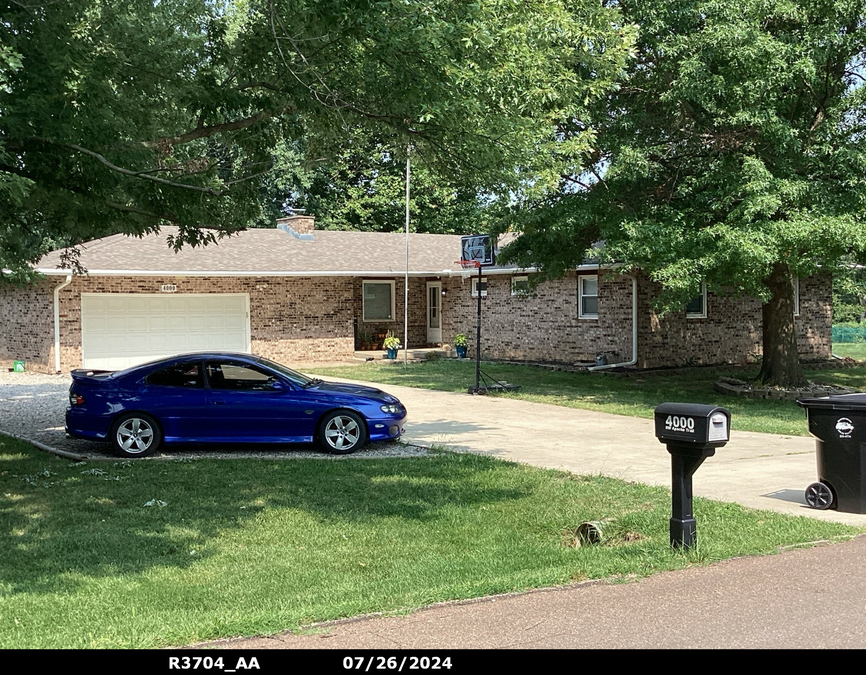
(434, 312)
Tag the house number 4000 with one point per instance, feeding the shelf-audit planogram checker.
(674, 423)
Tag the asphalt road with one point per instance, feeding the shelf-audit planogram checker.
(804, 599)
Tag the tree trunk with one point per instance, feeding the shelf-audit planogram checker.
(781, 364)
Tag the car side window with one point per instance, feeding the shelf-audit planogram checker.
(186, 375)
(239, 376)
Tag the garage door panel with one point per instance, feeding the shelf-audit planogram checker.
(121, 330)
(197, 323)
(216, 322)
(138, 324)
(157, 323)
(158, 343)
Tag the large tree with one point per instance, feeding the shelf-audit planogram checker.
(362, 186)
(733, 152)
(126, 115)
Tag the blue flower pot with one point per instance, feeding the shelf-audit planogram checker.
(461, 352)
(392, 353)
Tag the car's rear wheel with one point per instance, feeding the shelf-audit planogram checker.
(135, 435)
(342, 432)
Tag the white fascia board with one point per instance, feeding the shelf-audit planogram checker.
(54, 271)
(241, 273)
(515, 270)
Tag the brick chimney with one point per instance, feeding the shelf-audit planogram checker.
(297, 225)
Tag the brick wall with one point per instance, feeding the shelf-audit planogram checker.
(27, 325)
(311, 319)
(731, 332)
(292, 319)
(815, 323)
(544, 325)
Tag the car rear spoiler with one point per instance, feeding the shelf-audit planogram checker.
(84, 374)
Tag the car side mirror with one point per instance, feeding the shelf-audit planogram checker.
(278, 385)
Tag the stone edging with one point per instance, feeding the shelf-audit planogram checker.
(734, 387)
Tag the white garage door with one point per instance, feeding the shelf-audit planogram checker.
(121, 330)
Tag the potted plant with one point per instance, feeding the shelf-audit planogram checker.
(460, 343)
(365, 338)
(392, 344)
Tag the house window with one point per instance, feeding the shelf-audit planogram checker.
(587, 301)
(483, 287)
(697, 306)
(796, 296)
(520, 286)
(378, 300)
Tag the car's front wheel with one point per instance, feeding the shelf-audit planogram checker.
(342, 432)
(135, 435)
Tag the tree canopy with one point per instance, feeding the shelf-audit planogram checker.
(362, 186)
(127, 115)
(732, 152)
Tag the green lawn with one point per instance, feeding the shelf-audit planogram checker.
(636, 395)
(854, 350)
(154, 553)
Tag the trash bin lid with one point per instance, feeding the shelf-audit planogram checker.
(841, 402)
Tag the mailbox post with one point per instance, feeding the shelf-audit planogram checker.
(692, 432)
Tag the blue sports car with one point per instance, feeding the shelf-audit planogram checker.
(225, 398)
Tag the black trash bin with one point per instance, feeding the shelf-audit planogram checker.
(839, 425)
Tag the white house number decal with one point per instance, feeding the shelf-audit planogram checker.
(685, 424)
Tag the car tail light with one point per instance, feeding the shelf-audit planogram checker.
(76, 399)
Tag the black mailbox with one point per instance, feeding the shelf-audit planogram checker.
(693, 424)
(692, 432)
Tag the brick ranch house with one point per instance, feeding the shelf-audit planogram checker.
(295, 294)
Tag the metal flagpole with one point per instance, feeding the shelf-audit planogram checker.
(406, 280)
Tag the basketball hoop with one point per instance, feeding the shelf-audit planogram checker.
(468, 266)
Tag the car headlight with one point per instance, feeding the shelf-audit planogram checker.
(392, 408)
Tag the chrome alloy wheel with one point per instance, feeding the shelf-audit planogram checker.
(343, 433)
(135, 436)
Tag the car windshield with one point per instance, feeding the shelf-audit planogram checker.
(292, 375)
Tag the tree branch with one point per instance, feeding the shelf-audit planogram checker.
(135, 174)
(207, 132)
(142, 212)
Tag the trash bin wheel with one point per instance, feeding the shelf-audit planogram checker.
(819, 496)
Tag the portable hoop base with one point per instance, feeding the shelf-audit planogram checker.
(489, 384)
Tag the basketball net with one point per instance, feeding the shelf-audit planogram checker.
(469, 266)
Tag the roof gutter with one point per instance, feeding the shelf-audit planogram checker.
(54, 271)
(246, 273)
(633, 331)
(57, 321)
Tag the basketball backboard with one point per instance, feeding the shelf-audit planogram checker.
(478, 247)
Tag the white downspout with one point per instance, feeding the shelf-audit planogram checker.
(57, 321)
(633, 330)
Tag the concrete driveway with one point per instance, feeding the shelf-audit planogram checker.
(757, 470)
(762, 471)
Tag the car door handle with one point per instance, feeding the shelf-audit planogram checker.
(219, 402)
